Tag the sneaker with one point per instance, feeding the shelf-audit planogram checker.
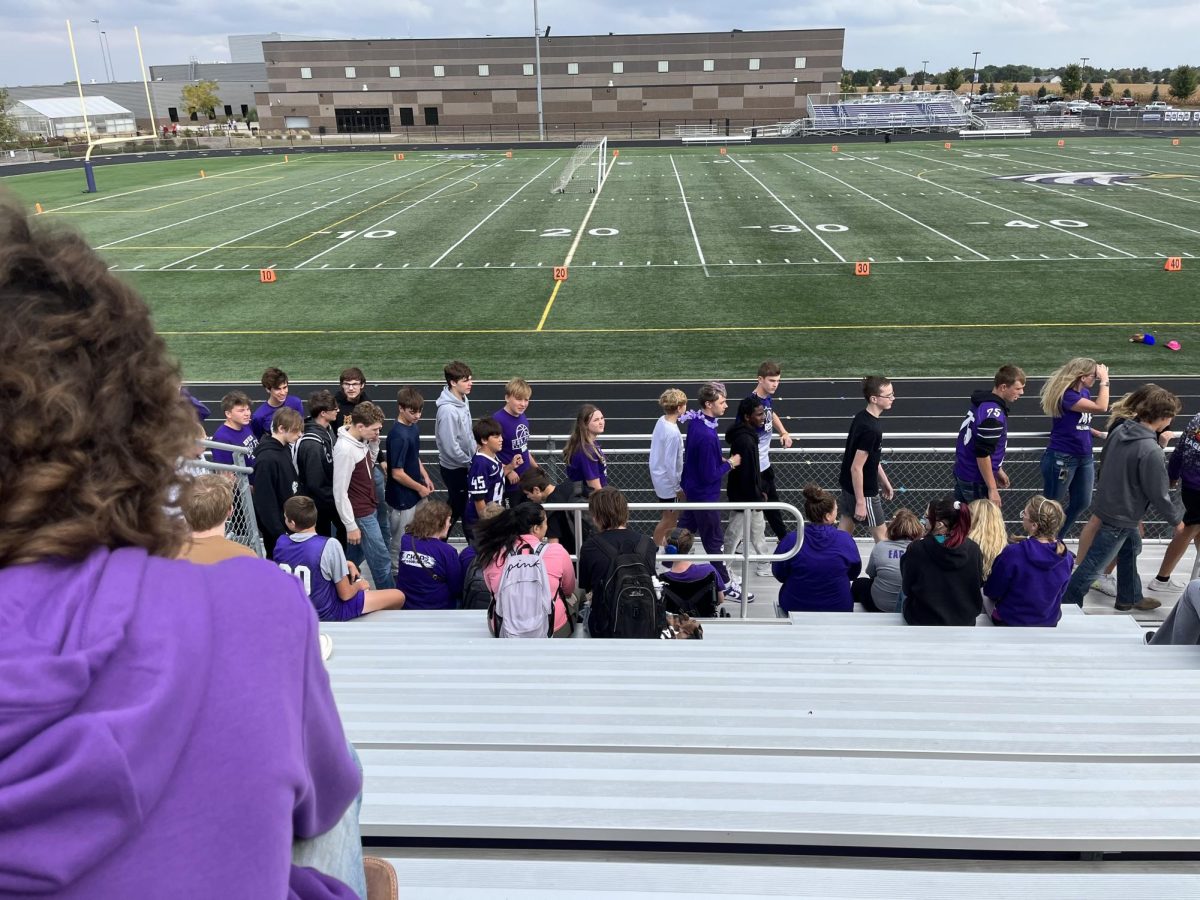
(1106, 584)
(733, 594)
(1144, 605)
(1149, 636)
(1170, 586)
(763, 570)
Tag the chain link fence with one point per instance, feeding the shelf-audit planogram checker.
(242, 525)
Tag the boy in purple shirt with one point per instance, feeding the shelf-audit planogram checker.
(334, 586)
(703, 470)
(514, 425)
(275, 382)
(236, 429)
(982, 437)
(487, 475)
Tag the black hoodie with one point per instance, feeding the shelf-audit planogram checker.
(274, 484)
(314, 464)
(942, 585)
(744, 483)
(345, 405)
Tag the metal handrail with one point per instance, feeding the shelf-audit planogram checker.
(745, 556)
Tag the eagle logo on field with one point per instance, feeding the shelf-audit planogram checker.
(1092, 179)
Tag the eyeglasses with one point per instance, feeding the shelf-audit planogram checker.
(891, 396)
(353, 383)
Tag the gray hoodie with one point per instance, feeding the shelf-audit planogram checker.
(452, 429)
(1133, 477)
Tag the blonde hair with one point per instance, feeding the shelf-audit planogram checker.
(1149, 402)
(1046, 515)
(518, 388)
(987, 530)
(1060, 379)
(672, 399)
(206, 501)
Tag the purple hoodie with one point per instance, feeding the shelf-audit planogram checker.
(168, 728)
(703, 467)
(1027, 583)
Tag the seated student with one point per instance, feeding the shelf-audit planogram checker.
(988, 533)
(475, 593)
(428, 569)
(487, 476)
(275, 477)
(817, 578)
(536, 487)
(941, 574)
(207, 504)
(334, 586)
(684, 571)
(148, 747)
(519, 530)
(1029, 577)
(879, 591)
(1182, 625)
(275, 381)
(235, 430)
(610, 512)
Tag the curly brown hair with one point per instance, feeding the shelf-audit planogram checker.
(94, 422)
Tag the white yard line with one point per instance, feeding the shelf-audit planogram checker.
(1046, 187)
(492, 213)
(225, 209)
(583, 227)
(1004, 209)
(687, 209)
(887, 206)
(789, 210)
(399, 212)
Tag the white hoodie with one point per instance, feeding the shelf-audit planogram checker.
(348, 452)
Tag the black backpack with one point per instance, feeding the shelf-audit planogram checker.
(625, 604)
(476, 594)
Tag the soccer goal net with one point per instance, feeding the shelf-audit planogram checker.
(585, 170)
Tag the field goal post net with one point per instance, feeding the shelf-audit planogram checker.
(585, 170)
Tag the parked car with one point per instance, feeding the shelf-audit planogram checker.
(1159, 105)
(1126, 101)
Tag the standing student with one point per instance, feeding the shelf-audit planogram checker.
(1068, 467)
(703, 471)
(744, 483)
(352, 391)
(428, 569)
(979, 456)
(408, 482)
(487, 475)
(587, 467)
(1132, 479)
(452, 429)
(235, 430)
(769, 375)
(666, 460)
(275, 382)
(862, 478)
(314, 463)
(1184, 468)
(514, 425)
(354, 490)
(275, 479)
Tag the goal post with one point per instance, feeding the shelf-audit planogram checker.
(585, 169)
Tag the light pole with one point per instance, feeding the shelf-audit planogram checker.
(1082, 69)
(975, 72)
(537, 70)
(924, 72)
(112, 69)
(100, 40)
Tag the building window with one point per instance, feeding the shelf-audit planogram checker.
(572, 68)
(350, 71)
(664, 66)
(710, 65)
(484, 70)
(393, 71)
(527, 69)
(439, 71)
(755, 64)
(305, 72)
(618, 68)
(801, 62)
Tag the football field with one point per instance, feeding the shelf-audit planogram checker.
(687, 262)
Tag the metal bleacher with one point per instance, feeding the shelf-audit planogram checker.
(915, 112)
(828, 733)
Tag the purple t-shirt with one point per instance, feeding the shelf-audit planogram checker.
(516, 438)
(260, 422)
(241, 437)
(485, 481)
(429, 572)
(136, 720)
(1072, 431)
(581, 467)
(697, 571)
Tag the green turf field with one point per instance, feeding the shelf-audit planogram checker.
(687, 263)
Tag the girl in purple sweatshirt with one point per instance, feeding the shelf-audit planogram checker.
(703, 469)
(1029, 577)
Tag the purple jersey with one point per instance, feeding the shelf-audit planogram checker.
(1072, 431)
(305, 557)
(583, 468)
(241, 437)
(766, 433)
(984, 432)
(485, 481)
(260, 422)
(516, 438)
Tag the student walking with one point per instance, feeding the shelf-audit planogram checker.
(769, 376)
(979, 457)
(1068, 468)
(862, 478)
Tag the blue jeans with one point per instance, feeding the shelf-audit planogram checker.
(966, 491)
(337, 852)
(1069, 480)
(381, 508)
(375, 549)
(1111, 541)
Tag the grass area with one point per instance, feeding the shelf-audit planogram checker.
(687, 264)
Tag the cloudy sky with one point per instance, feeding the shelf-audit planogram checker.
(898, 33)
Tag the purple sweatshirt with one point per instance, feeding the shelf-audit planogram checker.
(165, 724)
(703, 467)
(817, 579)
(1027, 583)
(1185, 460)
